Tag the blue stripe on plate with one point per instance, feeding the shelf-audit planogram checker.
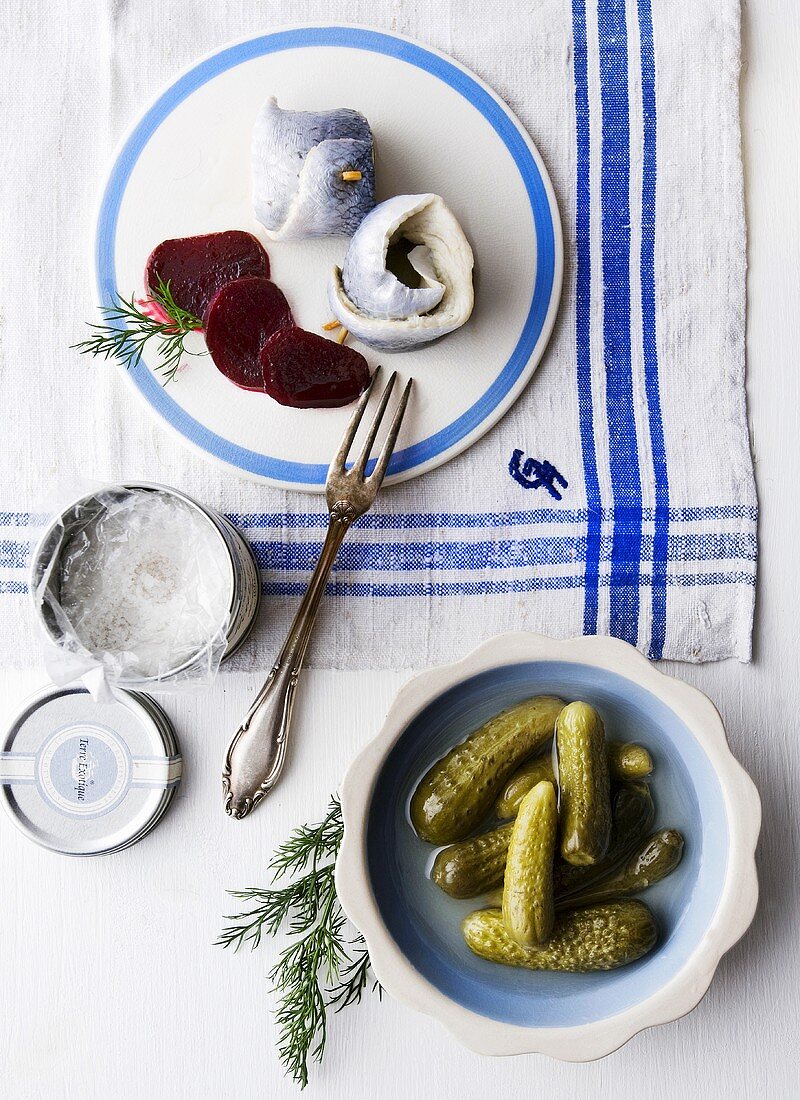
(647, 258)
(616, 233)
(582, 318)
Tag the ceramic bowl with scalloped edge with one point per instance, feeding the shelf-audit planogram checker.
(412, 929)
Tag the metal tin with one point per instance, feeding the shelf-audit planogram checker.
(245, 582)
(85, 778)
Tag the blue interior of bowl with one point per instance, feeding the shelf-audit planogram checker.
(425, 923)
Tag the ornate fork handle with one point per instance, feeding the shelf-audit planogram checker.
(257, 752)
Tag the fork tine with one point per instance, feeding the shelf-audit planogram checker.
(339, 459)
(361, 462)
(377, 475)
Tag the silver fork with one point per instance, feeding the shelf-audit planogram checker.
(257, 753)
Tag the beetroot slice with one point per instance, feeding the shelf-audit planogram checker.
(197, 267)
(241, 318)
(306, 371)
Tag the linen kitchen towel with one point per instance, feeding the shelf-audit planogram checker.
(616, 497)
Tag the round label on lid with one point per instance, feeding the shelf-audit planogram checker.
(85, 778)
(83, 769)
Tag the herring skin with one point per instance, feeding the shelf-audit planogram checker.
(378, 308)
(600, 937)
(298, 158)
(457, 792)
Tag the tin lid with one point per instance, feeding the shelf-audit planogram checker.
(86, 778)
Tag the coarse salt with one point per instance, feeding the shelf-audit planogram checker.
(147, 584)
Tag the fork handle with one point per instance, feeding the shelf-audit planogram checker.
(257, 752)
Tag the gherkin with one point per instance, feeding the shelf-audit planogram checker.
(456, 794)
(471, 867)
(600, 937)
(584, 785)
(626, 760)
(475, 866)
(528, 908)
(650, 862)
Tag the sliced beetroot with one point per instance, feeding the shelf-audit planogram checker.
(307, 371)
(197, 267)
(241, 318)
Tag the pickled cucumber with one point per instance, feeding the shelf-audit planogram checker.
(528, 908)
(631, 816)
(650, 862)
(472, 867)
(625, 761)
(600, 937)
(458, 791)
(584, 785)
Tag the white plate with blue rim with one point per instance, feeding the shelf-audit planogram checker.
(184, 168)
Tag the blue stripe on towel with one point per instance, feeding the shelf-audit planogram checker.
(616, 233)
(582, 317)
(414, 521)
(489, 554)
(456, 588)
(22, 519)
(13, 588)
(402, 521)
(648, 279)
(13, 554)
(276, 555)
(407, 589)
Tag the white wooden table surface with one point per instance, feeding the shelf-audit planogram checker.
(111, 985)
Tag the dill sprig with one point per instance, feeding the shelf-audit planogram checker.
(321, 968)
(354, 979)
(127, 329)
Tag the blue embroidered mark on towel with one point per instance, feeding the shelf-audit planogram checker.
(533, 474)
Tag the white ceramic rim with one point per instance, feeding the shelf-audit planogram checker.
(537, 354)
(734, 913)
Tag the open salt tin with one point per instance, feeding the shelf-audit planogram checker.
(84, 778)
(138, 586)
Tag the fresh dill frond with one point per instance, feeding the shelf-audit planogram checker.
(320, 968)
(310, 843)
(353, 979)
(301, 976)
(127, 329)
